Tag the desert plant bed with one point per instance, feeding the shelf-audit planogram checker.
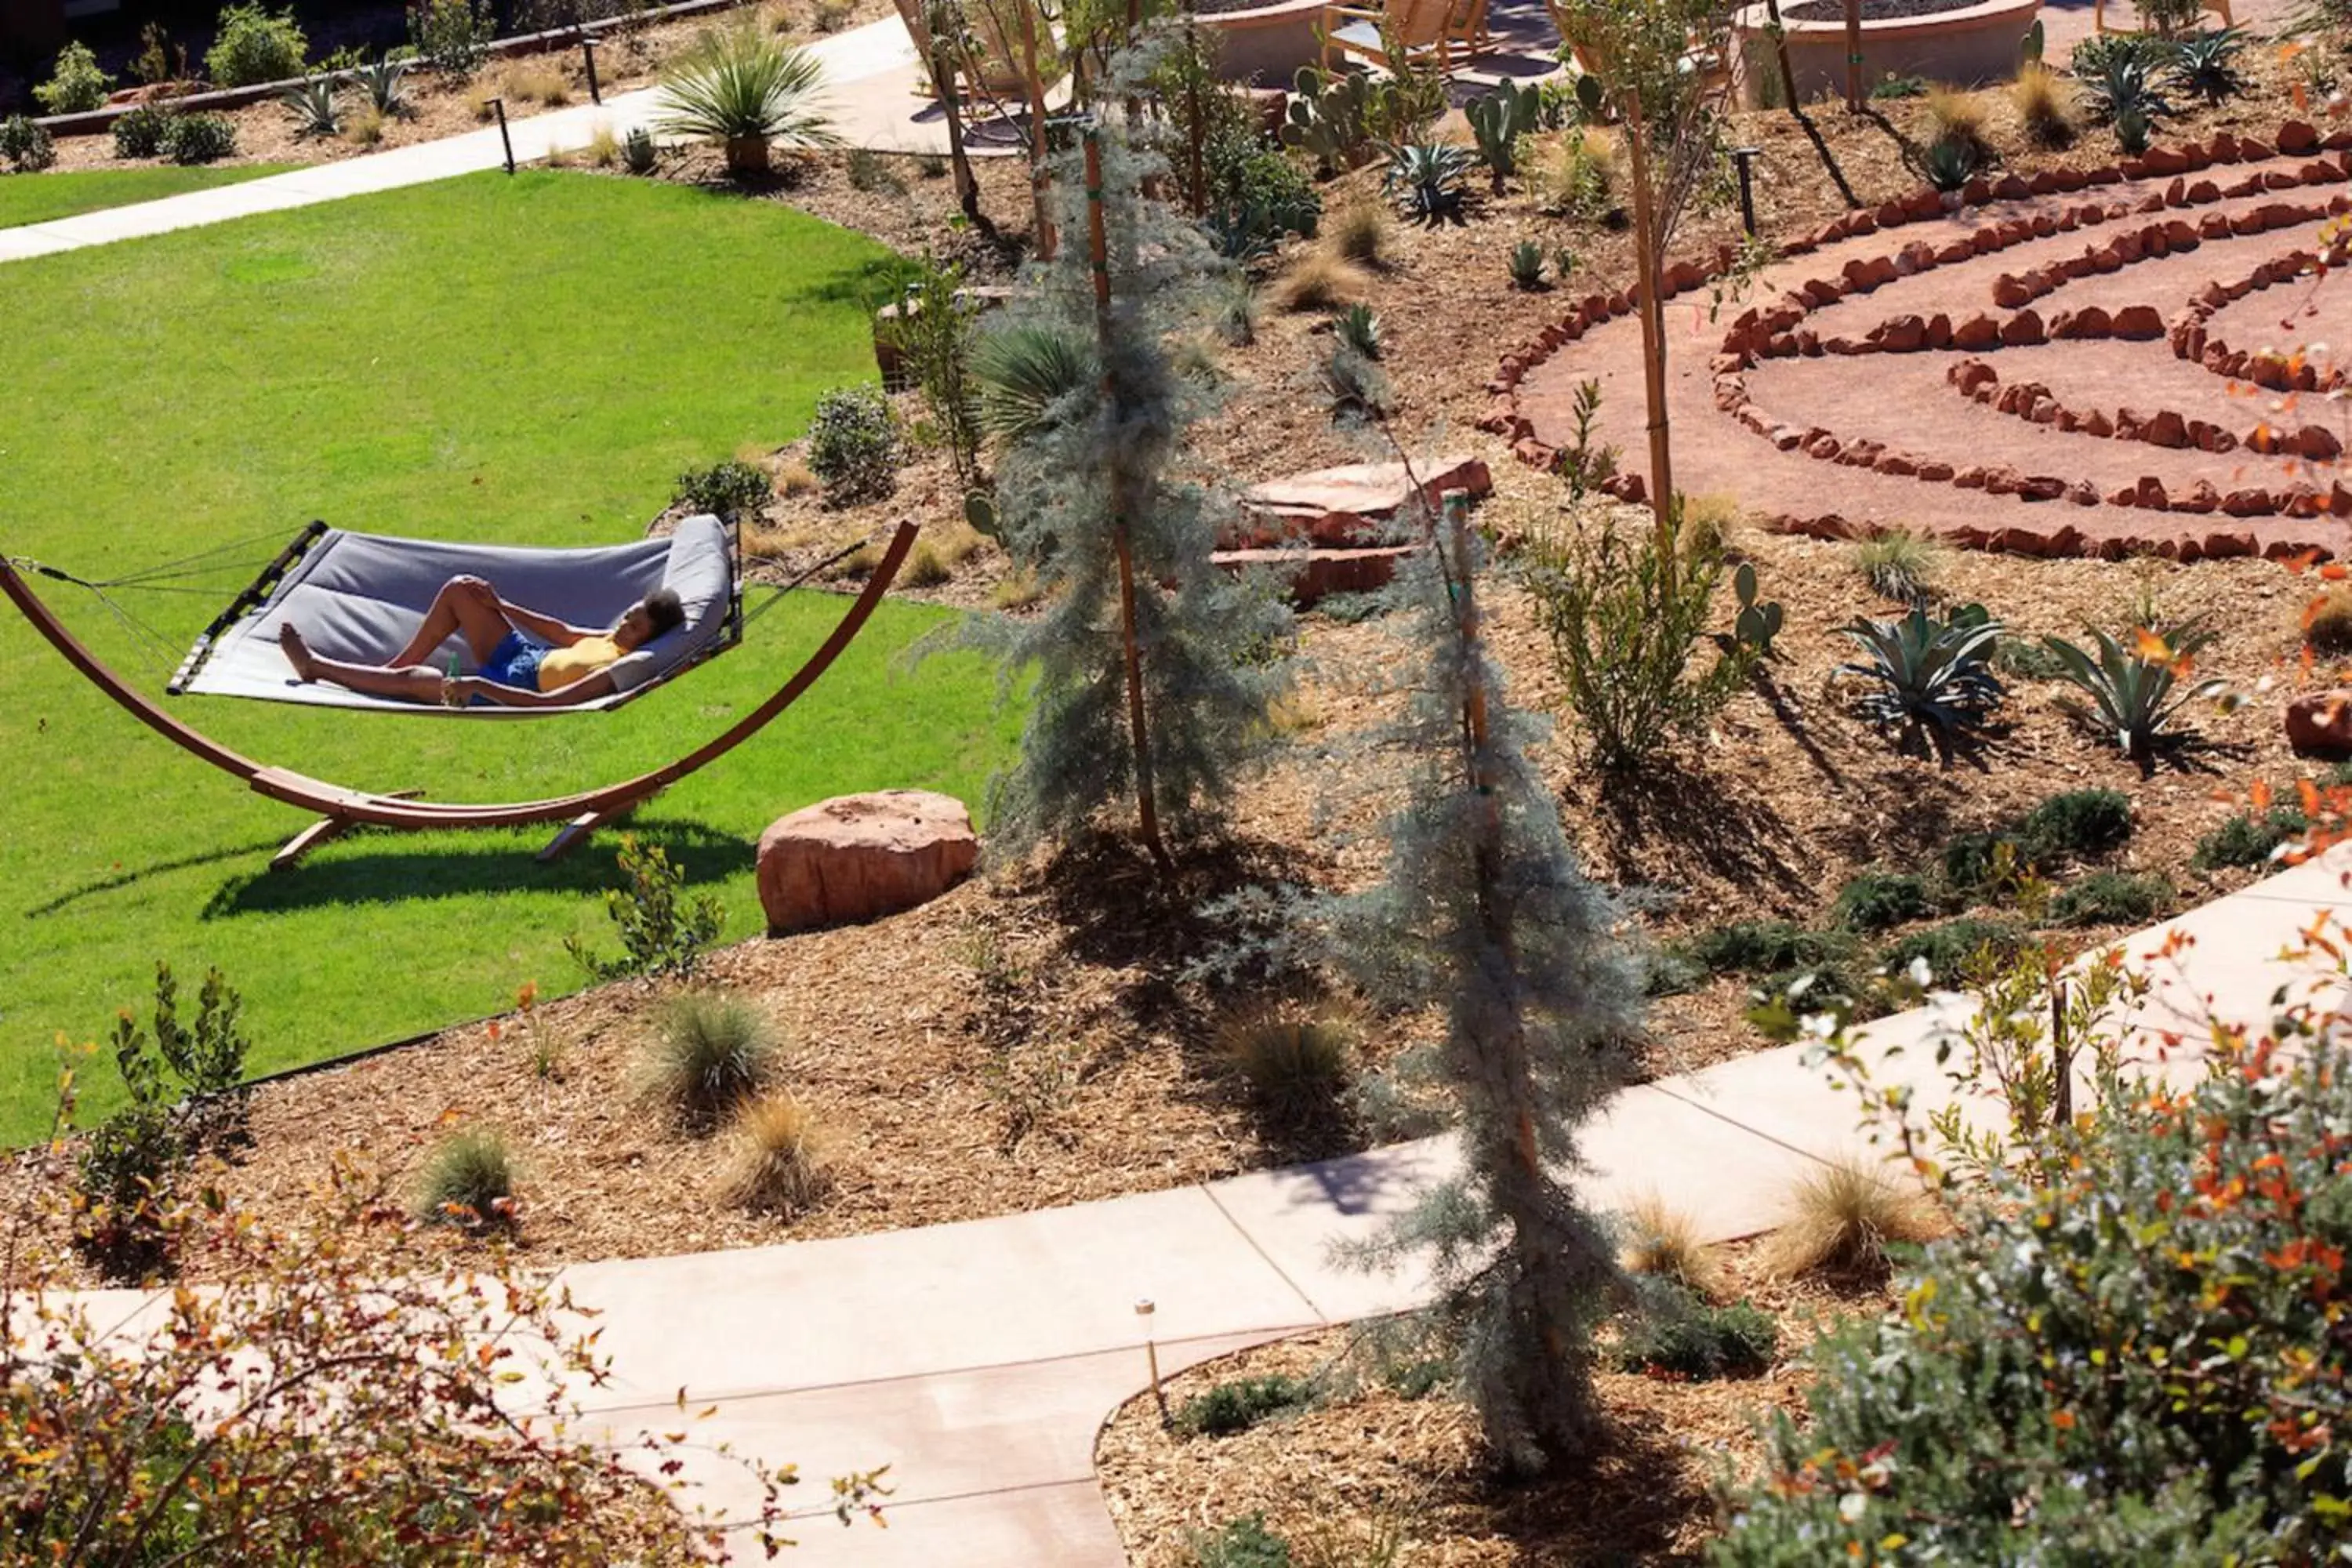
(548, 391)
(43, 198)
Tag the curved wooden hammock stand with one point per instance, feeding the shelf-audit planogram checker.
(342, 809)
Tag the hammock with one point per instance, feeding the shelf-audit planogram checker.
(359, 596)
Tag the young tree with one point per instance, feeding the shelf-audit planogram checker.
(1154, 666)
(942, 33)
(1486, 916)
(1644, 60)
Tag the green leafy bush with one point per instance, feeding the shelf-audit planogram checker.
(1955, 947)
(1754, 947)
(76, 86)
(2243, 839)
(708, 1052)
(1676, 1334)
(731, 490)
(125, 1179)
(1243, 1543)
(2082, 823)
(658, 934)
(451, 36)
(141, 133)
(1255, 196)
(252, 45)
(27, 146)
(1877, 901)
(854, 444)
(200, 138)
(2111, 899)
(469, 1180)
(2133, 1356)
(1242, 1404)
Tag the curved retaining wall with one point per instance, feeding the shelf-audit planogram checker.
(1970, 46)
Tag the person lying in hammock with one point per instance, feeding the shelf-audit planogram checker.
(522, 658)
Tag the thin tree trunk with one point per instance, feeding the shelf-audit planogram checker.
(1781, 48)
(1653, 332)
(940, 59)
(1122, 539)
(1040, 181)
(1854, 57)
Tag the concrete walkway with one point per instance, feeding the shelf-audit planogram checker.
(978, 1359)
(870, 74)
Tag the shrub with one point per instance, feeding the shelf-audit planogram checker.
(1241, 1404)
(1575, 180)
(252, 45)
(1841, 1220)
(140, 133)
(1877, 901)
(124, 1183)
(1360, 234)
(1955, 948)
(1298, 1067)
(2328, 622)
(934, 334)
(868, 173)
(76, 86)
(708, 1052)
(1756, 947)
(451, 36)
(1954, 115)
(469, 1180)
(777, 1165)
(2135, 698)
(1320, 280)
(27, 146)
(2133, 1361)
(1678, 1336)
(2045, 106)
(1255, 196)
(746, 89)
(1898, 564)
(2113, 899)
(200, 138)
(1527, 265)
(2023, 660)
(2246, 840)
(1663, 1243)
(2082, 823)
(1624, 620)
(1930, 674)
(731, 490)
(658, 936)
(1243, 1543)
(854, 443)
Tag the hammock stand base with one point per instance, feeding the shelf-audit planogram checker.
(341, 809)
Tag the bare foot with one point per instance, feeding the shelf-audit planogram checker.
(297, 653)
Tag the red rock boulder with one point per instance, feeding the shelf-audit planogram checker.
(861, 857)
(2320, 721)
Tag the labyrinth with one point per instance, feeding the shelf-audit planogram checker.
(2090, 362)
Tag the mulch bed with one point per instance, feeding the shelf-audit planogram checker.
(1374, 1459)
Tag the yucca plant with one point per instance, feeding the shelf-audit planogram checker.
(386, 85)
(312, 102)
(1028, 374)
(2205, 65)
(747, 90)
(1358, 330)
(2136, 695)
(1930, 673)
(1527, 265)
(1425, 178)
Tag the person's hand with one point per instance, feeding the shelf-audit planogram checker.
(457, 690)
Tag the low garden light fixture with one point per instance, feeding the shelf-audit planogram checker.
(588, 55)
(1744, 159)
(1143, 1309)
(505, 141)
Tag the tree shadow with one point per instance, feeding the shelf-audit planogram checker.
(1828, 158)
(502, 863)
(1738, 837)
(1622, 1503)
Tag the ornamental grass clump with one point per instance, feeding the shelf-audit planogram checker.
(469, 1181)
(1298, 1065)
(708, 1052)
(1843, 1220)
(776, 1163)
(1663, 1242)
(749, 92)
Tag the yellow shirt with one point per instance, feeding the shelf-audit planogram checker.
(559, 667)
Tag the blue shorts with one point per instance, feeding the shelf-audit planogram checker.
(514, 662)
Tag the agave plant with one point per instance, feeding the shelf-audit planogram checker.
(748, 91)
(2205, 65)
(1029, 376)
(386, 85)
(1425, 178)
(1950, 161)
(637, 151)
(2136, 694)
(1359, 330)
(2128, 88)
(312, 104)
(1929, 673)
(1527, 265)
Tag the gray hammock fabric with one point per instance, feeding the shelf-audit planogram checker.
(359, 596)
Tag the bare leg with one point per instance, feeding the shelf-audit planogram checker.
(467, 606)
(411, 683)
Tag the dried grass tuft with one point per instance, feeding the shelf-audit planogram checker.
(1841, 1220)
(1360, 233)
(1320, 280)
(1298, 1064)
(776, 1161)
(1663, 1242)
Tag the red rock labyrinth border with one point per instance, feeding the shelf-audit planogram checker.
(1776, 331)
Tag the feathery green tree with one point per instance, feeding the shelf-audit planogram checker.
(1154, 667)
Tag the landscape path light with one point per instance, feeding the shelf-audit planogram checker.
(1144, 1309)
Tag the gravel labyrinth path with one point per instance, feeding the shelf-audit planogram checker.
(2072, 365)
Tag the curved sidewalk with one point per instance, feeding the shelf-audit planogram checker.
(978, 1359)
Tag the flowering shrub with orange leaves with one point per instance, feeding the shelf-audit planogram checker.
(314, 1411)
(2136, 1347)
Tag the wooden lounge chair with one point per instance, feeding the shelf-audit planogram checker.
(2099, 16)
(1421, 29)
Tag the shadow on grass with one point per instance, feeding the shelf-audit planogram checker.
(395, 875)
(132, 878)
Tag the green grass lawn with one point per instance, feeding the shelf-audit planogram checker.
(37, 198)
(531, 360)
